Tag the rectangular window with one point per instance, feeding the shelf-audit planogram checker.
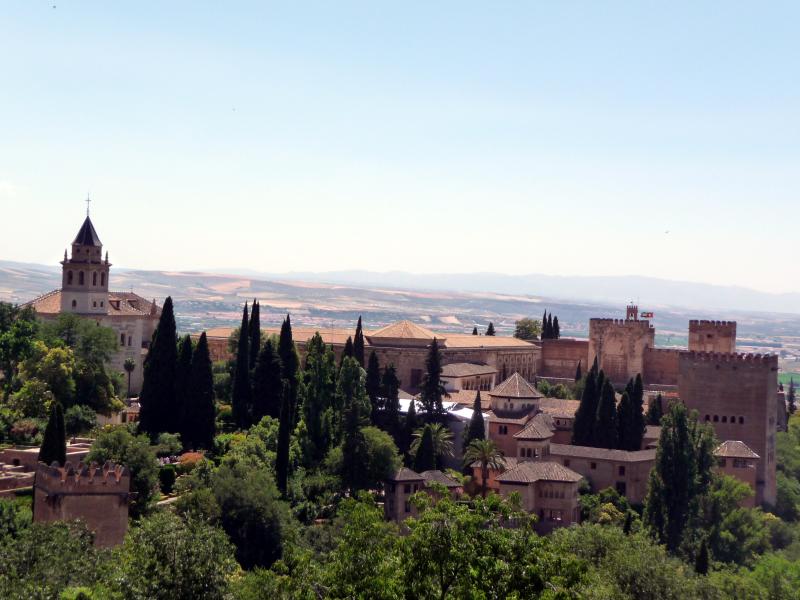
(622, 471)
(408, 507)
(593, 465)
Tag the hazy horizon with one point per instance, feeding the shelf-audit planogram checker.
(567, 140)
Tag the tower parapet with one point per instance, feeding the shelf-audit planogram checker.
(619, 344)
(712, 336)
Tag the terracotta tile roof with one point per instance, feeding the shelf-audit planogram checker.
(533, 471)
(439, 477)
(467, 398)
(460, 340)
(602, 453)
(560, 409)
(537, 428)
(406, 474)
(466, 370)
(119, 303)
(404, 330)
(734, 449)
(511, 419)
(515, 387)
(509, 462)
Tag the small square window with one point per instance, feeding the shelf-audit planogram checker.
(593, 465)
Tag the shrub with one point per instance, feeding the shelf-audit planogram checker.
(166, 477)
(79, 419)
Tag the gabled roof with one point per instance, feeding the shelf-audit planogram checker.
(404, 330)
(603, 453)
(533, 471)
(87, 236)
(406, 474)
(439, 477)
(466, 370)
(537, 429)
(734, 449)
(516, 387)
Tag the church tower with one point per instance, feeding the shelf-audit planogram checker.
(84, 275)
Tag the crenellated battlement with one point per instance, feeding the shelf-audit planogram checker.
(83, 478)
(708, 323)
(731, 357)
(644, 323)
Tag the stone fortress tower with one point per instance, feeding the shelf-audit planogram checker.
(619, 346)
(712, 336)
(84, 275)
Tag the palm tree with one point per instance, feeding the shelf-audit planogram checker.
(442, 441)
(129, 365)
(486, 453)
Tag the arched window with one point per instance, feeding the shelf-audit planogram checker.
(80, 278)
(733, 419)
(121, 339)
(74, 303)
(716, 418)
(94, 278)
(69, 277)
(741, 420)
(103, 279)
(724, 419)
(708, 417)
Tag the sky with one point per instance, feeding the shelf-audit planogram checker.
(574, 138)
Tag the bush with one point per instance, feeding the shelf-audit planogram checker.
(168, 444)
(166, 477)
(79, 419)
(27, 432)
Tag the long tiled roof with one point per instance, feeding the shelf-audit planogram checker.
(533, 471)
(466, 370)
(118, 304)
(87, 236)
(537, 428)
(734, 449)
(460, 340)
(515, 387)
(509, 462)
(560, 409)
(439, 477)
(404, 330)
(602, 453)
(406, 474)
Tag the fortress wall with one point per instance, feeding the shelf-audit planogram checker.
(560, 358)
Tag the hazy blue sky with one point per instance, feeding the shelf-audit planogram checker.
(557, 137)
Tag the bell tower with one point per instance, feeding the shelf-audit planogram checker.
(84, 275)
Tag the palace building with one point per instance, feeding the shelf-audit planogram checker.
(85, 282)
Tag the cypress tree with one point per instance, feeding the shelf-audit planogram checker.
(476, 429)
(425, 458)
(409, 426)
(578, 374)
(358, 344)
(545, 333)
(432, 386)
(625, 424)
(267, 384)
(475, 330)
(638, 419)
(198, 423)
(290, 363)
(550, 330)
(791, 397)
(183, 379)
(585, 416)
(54, 443)
(490, 329)
(241, 397)
(626, 528)
(285, 427)
(390, 389)
(701, 562)
(355, 454)
(319, 394)
(373, 385)
(157, 397)
(255, 334)
(556, 329)
(606, 427)
(654, 411)
(349, 350)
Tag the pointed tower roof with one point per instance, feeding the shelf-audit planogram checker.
(403, 333)
(515, 387)
(87, 236)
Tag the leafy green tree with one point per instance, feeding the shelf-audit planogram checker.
(158, 389)
(320, 388)
(358, 343)
(383, 459)
(254, 333)
(267, 384)
(423, 451)
(390, 390)
(166, 558)
(286, 425)
(241, 398)
(54, 444)
(432, 386)
(351, 389)
(527, 329)
(441, 442)
(55, 367)
(476, 429)
(18, 328)
(198, 422)
(373, 386)
(681, 476)
(79, 419)
(490, 329)
(488, 455)
(119, 445)
(605, 430)
(183, 387)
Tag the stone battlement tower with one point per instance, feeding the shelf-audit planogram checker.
(619, 345)
(96, 495)
(712, 336)
(735, 393)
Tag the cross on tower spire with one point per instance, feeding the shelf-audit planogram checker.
(87, 203)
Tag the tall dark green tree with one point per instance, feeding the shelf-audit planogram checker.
(578, 374)
(355, 452)
(290, 364)
(654, 411)
(586, 415)
(358, 343)
(476, 429)
(605, 430)
(475, 330)
(490, 329)
(390, 390)
(680, 477)
(54, 443)
(556, 329)
(285, 427)
(625, 424)
(550, 331)
(373, 386)
(639, 421)
(183, 378)
(425, 458)
(241, 397)
(267, 385)
(348, 351)
(791, 397)
(157, 398)
(255, 335)
(198, 423)
(701, 562)
(410, 425)
(320, 388)
(545, 331)
(432, 387)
